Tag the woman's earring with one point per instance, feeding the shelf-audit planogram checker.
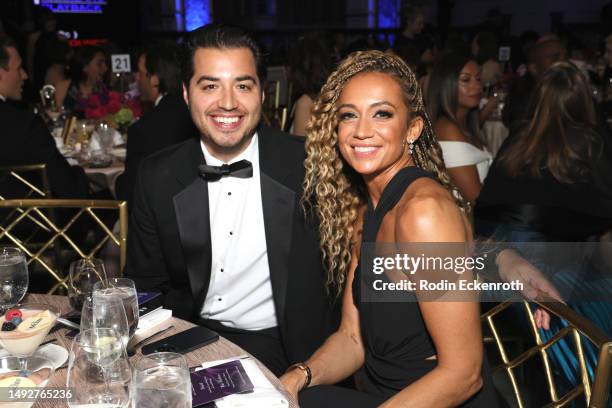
(411, 148)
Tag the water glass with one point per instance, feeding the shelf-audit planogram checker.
(83, 275)
(14, 278)
(99, 373)
(161, 380)
(105, 312)
(124, 289)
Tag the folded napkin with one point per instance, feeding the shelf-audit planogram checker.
(264, 395)
(152, 319)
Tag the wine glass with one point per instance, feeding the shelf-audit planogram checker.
(13, 277)
(24, 327)
(106, 136)
(98, 370)
(83, 275)
(124, 289)
(162, 380)
(105, 312)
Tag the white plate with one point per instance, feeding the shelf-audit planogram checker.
(56, 354)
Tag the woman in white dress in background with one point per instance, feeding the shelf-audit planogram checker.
(453, 96)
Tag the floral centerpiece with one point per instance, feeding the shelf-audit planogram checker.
(117, 109)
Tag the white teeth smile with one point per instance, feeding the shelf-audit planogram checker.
(226, 120)
(365, 149)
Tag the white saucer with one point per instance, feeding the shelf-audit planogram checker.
(56, 354)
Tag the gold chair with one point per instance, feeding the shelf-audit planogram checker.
(21, 174)
(596, 394)
(60, 232)
(33, 179)
(274, 114)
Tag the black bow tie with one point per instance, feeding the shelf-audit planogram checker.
(240, 169)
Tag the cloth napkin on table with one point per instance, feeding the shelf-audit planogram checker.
(94, 143)
(264, 394)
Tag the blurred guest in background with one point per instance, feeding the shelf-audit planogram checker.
(159, 81)
(310, 62)
(551, 183)
(412, 33)
(453, 97)
(25, 139)
(545, 52)
(87, 70)
(485, 48)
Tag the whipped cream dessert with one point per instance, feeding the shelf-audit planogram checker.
(26, 329)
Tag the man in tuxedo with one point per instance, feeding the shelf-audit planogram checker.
(159, 81)
(25, 139)
(216, 222)
(545, 52)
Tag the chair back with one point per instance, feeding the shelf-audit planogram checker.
(85, 215)
(577, 329)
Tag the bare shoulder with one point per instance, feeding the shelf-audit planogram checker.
(304, 102)
(428, 213)
(446, 130)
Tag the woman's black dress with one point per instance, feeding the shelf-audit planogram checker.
(395, 338)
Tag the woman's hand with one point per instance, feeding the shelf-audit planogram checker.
(488, 108)
(293, 381)
(512, 266)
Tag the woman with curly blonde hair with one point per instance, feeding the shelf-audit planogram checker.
(374, 173)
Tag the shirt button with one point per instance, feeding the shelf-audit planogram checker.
(230, 193)
(231, 233)
(221, 269)
(219, 299)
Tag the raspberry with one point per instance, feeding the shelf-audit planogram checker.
(8, 326)
(12, 313)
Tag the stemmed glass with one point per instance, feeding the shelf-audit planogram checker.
(98, 370)
(24, 327)
(11, 376)
(106, 135)
(105, 312)
(83, 275)
(124, 289)
(13, 277)
(162, 380)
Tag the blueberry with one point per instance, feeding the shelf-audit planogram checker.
(8, 326)
(16, 321)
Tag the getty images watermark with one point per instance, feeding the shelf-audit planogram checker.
(484, 271)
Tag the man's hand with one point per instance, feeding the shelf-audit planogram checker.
(512, 266)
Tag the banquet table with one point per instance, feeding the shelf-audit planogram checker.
(102, 178)
(221, 349)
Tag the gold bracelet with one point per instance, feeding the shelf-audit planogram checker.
(305, 369)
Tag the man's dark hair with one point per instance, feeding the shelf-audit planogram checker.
(220, 37)
(163, 60)
(5, 42)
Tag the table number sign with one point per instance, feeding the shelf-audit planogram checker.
(121, 63)
(504, 54)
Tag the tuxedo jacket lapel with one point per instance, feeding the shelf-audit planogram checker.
(193, 220)
(279, 204)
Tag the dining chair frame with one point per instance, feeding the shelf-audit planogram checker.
(36, 208)
(597, 393)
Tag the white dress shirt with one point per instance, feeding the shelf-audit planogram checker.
(158, 100)
(240, 292)
(2, 98)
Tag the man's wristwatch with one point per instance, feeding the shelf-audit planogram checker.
(305, 369)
